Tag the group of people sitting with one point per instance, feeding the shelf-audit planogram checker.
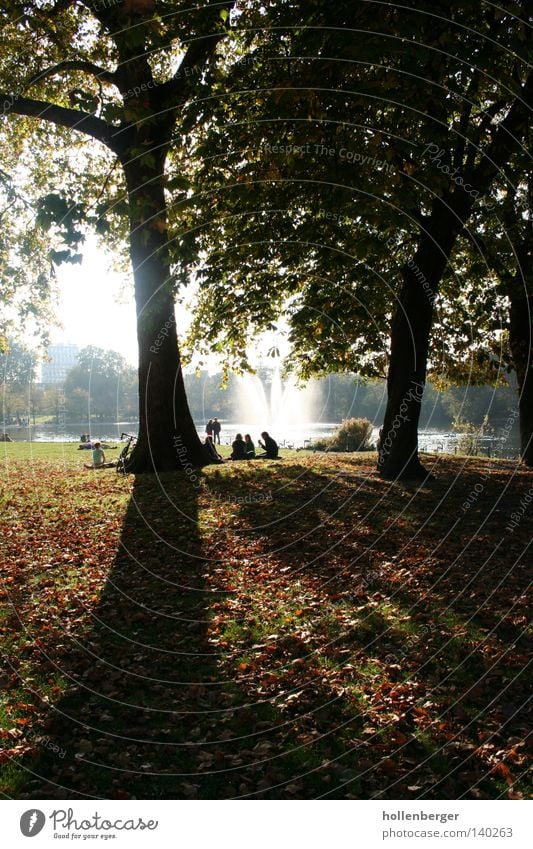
(244, 449)
(241, 449)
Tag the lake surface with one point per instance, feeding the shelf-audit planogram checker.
(294, 436)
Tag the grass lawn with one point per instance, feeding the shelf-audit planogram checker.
(293, 629)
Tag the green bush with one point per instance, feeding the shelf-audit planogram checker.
(351, 435)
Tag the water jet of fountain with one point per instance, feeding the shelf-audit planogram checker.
(275, 404)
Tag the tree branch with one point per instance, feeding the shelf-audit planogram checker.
(7, 208)
(506, 139)
(105, 183)
(464, 121)
(198, 53)
(74, 119)
(12, 191)
(72, 65)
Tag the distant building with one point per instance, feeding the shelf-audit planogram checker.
(61, 358)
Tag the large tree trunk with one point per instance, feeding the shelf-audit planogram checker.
(410, 334)
(520, 340)
(398, 449)
(167, 436)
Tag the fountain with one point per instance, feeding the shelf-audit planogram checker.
(277, 404)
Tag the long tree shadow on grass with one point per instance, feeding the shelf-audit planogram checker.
(226, 661)
(153, 708)
(415, 641)
(142, 675)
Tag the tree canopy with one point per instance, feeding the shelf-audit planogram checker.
(328, 162)
(323, 162)
(339, 182)
(118, 74)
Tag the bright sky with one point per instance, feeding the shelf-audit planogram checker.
(92, 308)
(96, 309)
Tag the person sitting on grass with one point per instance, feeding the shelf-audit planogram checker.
(211, 451)
(98, 458)
(250, 447)
(238, 447)
(270, 447)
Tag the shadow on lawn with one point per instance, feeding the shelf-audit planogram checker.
(144, 674)
(430, 648)
(284, 669)
(154, 710)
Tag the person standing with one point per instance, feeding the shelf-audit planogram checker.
(217, 427)
(209, 428)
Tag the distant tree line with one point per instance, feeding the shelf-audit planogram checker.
(343, 396)
(102, 386)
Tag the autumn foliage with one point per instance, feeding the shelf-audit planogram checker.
(334, 635)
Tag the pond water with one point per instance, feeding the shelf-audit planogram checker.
(293, 436)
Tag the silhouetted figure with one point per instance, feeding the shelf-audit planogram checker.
(270, 447)
(238, 448)
(217, 427)
(250, 447)
(211, 451)
(209, 427)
